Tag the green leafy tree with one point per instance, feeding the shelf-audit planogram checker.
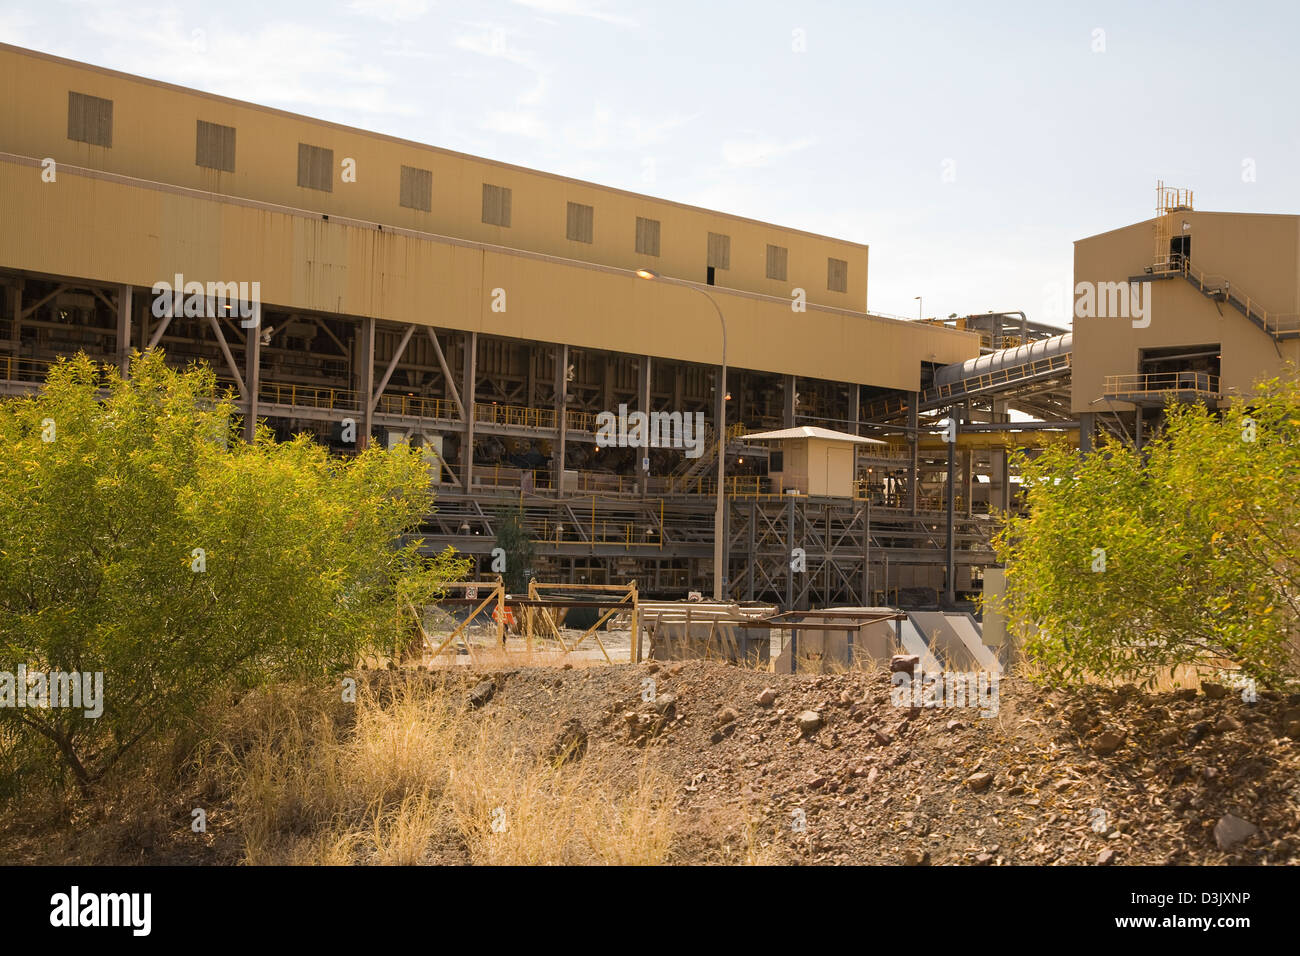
(143, 540)
(1187, 554)
(513, 539)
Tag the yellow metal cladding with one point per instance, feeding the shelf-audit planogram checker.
(154, 128)
(107, 228)
(1257, 254)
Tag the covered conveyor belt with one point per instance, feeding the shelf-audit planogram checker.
(1015, 373)
(1007, 368)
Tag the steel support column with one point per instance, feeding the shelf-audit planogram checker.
(1087, 431)
(789, 555)
(470, 391)
(366, 380)
(253, 377)
(124, 329)
(914, 431)
(15, 329)
(951, 589)
(561, 413)
(643, 403)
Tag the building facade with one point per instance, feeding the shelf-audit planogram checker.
(487, 312)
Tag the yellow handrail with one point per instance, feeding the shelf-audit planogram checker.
(1151, 383)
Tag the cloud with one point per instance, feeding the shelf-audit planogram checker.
(391, 11)
(493, 41)
(589, 9)
(760, 152)
(515, 124)
(14, 25)
(281, 64)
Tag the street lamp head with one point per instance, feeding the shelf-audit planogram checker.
(647, 274)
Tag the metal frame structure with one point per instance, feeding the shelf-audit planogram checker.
(498, 405)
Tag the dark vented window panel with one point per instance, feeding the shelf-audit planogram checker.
(580, 222)
(214, 146)
(417, 188)
(837, 275)
(778, 258)
(496, 205)
(316, 167)
(719, 251)
(647, 236)
(90, 119)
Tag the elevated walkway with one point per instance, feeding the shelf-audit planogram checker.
(1279, 325)
(1007, 372)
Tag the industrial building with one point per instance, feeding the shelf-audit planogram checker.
(1219, 300)
(493, 314)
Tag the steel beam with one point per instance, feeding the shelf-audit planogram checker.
(124, 329)
(253, 376)
(643, 403)
(446, 372)
(392, 367)
(471, 374)
(225, 350)
(561, 412)
(366, 379)
(914, 440)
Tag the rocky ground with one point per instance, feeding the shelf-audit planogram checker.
(825, 769)
(813, 769)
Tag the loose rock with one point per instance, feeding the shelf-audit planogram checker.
(1231, 830)
(809, 721)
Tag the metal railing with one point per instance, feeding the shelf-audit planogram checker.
(1159, 383)
(16, 369)
(886, 406)
(1212, 284)
(1003, 376)
(306, 396)
(518, 416)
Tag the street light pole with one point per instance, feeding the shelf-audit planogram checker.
(919, 304)
(719, 515)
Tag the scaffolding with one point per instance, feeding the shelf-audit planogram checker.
(1170, 202)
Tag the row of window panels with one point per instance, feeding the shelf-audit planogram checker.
(90, 120)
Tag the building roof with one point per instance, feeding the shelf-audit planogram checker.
(812, 431)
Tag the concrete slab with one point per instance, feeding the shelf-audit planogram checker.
(944, 642)
(968, 631)
(913, 643)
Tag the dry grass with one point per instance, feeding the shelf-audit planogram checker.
(1161, 682)
(412, 778)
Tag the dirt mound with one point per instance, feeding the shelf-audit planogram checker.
(826, 769)
(767, 768)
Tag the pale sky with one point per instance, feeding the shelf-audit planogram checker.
(969, 144)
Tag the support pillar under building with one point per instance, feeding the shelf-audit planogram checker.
(1087, 431)
(561, 413)
(124, 303)
(365, 380)
(914, 431)
(470, 392)
(253, 379)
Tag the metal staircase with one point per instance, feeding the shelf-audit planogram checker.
(1280, 326)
